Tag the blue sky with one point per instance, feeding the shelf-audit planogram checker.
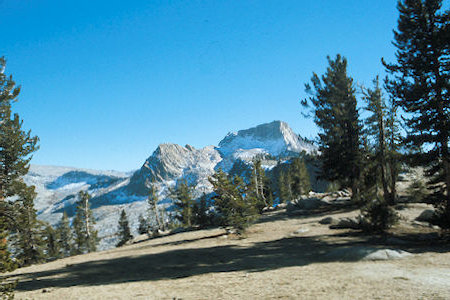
(104, 82)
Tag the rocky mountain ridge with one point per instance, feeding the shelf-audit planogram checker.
(111, 191)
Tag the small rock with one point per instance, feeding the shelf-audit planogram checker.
(387, 254)
(347, 223)
(281, 205)
(328, 220)
(305, 203)
(370, 253)
(301, 230)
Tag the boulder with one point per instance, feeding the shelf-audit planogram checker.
(347, 223)
(328, 221)
(368, 253)
(428, 215)
(281, 205)
(305, 203)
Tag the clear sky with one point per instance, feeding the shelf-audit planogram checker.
(104, 82)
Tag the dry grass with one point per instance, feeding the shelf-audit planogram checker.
(271, 262)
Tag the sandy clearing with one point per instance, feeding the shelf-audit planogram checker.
(272, 262)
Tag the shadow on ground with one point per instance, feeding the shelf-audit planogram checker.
(286, 252)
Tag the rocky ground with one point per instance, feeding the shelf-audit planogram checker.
(287, 256)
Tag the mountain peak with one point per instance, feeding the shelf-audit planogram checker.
(276, 138)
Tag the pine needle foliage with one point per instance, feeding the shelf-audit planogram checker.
(83, 224)
(333, 104)
(419, 82)
(235, 210)
(124, 231)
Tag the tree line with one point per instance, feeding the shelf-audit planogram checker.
(364, 155)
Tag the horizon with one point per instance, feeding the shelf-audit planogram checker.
(103, 84)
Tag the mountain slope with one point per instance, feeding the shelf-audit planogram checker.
(57, 187)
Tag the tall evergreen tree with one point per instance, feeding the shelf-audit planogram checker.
(143, 225)
(85, 235)
(51, 238)
(16, 147)
(124, 232)
(299, 177)
(235, 210)
(284, 187)
(184, 204)
(381, 128)
(420, 83)
(333, 103)
(65, 236)
(200, 209)
(29, 242)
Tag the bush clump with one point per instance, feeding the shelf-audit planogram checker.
(378, 216)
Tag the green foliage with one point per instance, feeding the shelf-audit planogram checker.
(29, 238)
(16, 147)
(417, 190)
(378, 216)
(143, 225)
(202, 217)
(184, 204)
(234, 209)
(293, 180)
(51, 239)
(83, 224)
(381, 142)
(300, 180)
(333, 103)
(419, 84)
(284, 187)
(7, 289)
(65, 236)
(124, 232)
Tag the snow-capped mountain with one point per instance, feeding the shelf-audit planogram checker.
(112, 191)
(275, 138)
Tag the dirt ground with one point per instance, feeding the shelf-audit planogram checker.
(275, 260)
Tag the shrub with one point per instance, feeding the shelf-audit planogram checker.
(378, 216)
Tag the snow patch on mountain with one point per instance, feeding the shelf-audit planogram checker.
(276, 138)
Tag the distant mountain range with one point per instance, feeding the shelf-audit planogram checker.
(112, 191)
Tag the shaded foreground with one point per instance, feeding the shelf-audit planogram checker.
(274, 261)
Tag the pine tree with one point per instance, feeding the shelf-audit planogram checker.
(284, 186)
(235, 210)
(381, 128)
(419, 83)
(53, 251)
(124, 232)
(333, 103)
(143, 225)
(16, 147)
(184, 204)
(65, 236)
(85, 235)
(29, 242)
(299, 177)
(200, 209)
(78, 234)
